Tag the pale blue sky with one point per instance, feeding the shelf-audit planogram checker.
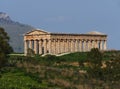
(72, 16)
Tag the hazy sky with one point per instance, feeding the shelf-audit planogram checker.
(71, 16)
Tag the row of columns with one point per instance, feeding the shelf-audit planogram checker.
(58, 46)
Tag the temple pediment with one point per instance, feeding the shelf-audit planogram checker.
(37, 32)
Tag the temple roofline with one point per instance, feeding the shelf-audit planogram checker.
(39, 30)
(75, 34)
(93, 33)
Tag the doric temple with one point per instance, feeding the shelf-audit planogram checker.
(43, 42)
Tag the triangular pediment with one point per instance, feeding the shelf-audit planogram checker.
(37, 32)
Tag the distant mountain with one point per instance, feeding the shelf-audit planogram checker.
(15, 31)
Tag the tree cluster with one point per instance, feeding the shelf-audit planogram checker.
(5, 47)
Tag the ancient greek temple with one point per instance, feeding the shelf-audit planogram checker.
(43, 42)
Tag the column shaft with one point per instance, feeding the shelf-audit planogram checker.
(96, 44)
(80, 45)
(60, 46)
(101, 45)
(57, 48)
(30, 44)
(35, 46)
(89, 45)
(49, 46)
(84, 45)
(52, 46)
(40, 47)
(25, 47)
(71, 46)
(105, 45)
(63, 46)
(76, 45)
(93, 44)
(45, 46)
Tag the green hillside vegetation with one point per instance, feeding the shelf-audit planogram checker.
(81, 70)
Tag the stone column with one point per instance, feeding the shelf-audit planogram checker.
(84, 44)
(56, 48)
(51, 49)
(71, 48)
(44, 46)
(40, 47)
(96, 44)
(69, 45)
(30, 44)
(49, 46)
(76, 45)
(73, 45)
(59, 45)
(62, 45)
(88, 45)
(93, 44)
(25, 47)
(80, 45)
(101, 45)
(105, 45)
(53, 46)
(35, 46)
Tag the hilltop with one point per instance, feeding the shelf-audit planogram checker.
(81, 70)
(15, 31)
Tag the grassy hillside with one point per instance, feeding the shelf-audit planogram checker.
(13, 78)
(72, 71)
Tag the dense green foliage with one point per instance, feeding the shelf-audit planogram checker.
(71, 71)
(5, 48)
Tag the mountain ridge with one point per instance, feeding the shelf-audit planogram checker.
(15, 31)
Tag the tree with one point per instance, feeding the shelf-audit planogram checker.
(5, 47)
(95, 57)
